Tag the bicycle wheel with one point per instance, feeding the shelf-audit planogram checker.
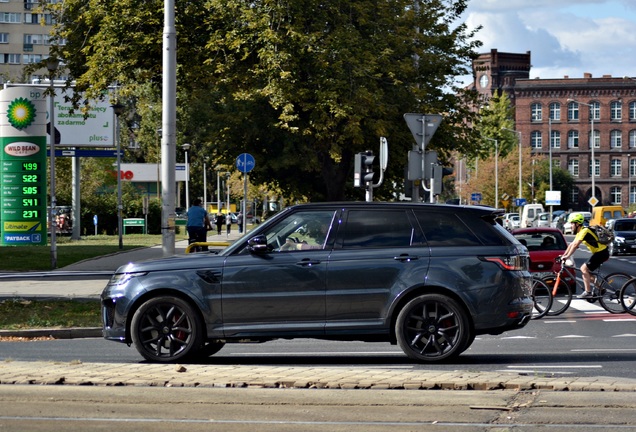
(610, 287)
(627, 296)
(542, 298)
(561, 301)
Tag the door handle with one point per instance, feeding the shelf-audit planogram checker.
(406, 258)
(307, 262)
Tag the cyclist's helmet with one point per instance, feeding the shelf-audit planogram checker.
(576, 218)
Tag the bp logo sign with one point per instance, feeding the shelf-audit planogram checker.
(21, 113)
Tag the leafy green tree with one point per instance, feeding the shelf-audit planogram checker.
(302, 85)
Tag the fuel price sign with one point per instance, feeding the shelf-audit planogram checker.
(23, 193)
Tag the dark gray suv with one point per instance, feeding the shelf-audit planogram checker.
(427, 277)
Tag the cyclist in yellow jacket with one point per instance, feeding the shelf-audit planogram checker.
(588, 237)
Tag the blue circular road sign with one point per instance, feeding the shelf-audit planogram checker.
(245, 162)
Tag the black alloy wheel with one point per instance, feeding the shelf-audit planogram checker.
(433, 327)
(167, 329)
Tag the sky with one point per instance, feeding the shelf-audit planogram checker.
(565, 37)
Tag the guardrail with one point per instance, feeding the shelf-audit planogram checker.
(214, 243)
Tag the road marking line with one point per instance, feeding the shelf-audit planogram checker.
(571, 336)
(604, 350)
(558, 366)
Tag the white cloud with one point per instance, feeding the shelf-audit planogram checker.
(566, 37)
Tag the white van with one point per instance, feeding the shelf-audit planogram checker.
(529, 212)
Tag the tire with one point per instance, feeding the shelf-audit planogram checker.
(627, 296)
(210, 348)
(610, 286)
(561, 301)
(166, 330)
(541, 297)
(433, 327)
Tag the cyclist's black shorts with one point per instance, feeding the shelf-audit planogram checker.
(597, 259)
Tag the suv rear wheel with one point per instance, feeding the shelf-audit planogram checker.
(433, 327)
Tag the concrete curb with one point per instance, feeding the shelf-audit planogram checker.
(57, 333)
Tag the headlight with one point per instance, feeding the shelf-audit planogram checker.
(619, 239)
(123, 278)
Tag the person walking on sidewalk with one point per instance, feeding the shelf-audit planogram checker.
(600, 253)
(228, 223)
(219, 221)
(198, 223)
(239, 222)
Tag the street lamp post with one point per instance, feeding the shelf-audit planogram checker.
(186, 148)
(520, 191)
(591, 144)
(118, 109)
(496, 171)
(629, 181)
(52, 63)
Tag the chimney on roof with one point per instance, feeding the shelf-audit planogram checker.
(587, 75)
(565, 77)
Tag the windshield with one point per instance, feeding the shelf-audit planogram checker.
(625, 226)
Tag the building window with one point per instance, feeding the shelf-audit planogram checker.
(616, 139)
(615, 168)
(632, 110)
(573, 167)
(616, 111)
(535, 112)
(632, 195)
(536, 139)
(574, 195)
(632, 167)
(597, 168)
(10, 58)
(36, 39)
(4, 38)
(615, 195)
(555, 139)
(31, 58)
(33, 18)
(573, 139)
(595, 111)
(10, 17)
(573, 111)
(632, 138)
(597, 139)
(555, 111)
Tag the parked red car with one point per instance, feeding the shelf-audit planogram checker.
(544, 245)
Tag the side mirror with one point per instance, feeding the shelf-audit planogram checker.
(258, 244)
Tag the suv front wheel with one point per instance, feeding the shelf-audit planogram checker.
(432, 327)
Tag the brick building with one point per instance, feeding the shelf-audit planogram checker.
(562, 112)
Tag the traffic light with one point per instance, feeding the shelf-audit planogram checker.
(363, 169)
(439, 172)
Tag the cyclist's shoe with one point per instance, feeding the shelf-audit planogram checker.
(585, 295)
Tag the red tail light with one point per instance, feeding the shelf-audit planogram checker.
(515, 262)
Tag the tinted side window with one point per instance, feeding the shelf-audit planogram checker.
(445, 229)
(377, 229)
(488, 233)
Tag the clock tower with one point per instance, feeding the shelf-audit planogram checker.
(495, 72)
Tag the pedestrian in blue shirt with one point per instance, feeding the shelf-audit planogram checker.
(198, 223)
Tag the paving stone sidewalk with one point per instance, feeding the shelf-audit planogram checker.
(197, 375)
